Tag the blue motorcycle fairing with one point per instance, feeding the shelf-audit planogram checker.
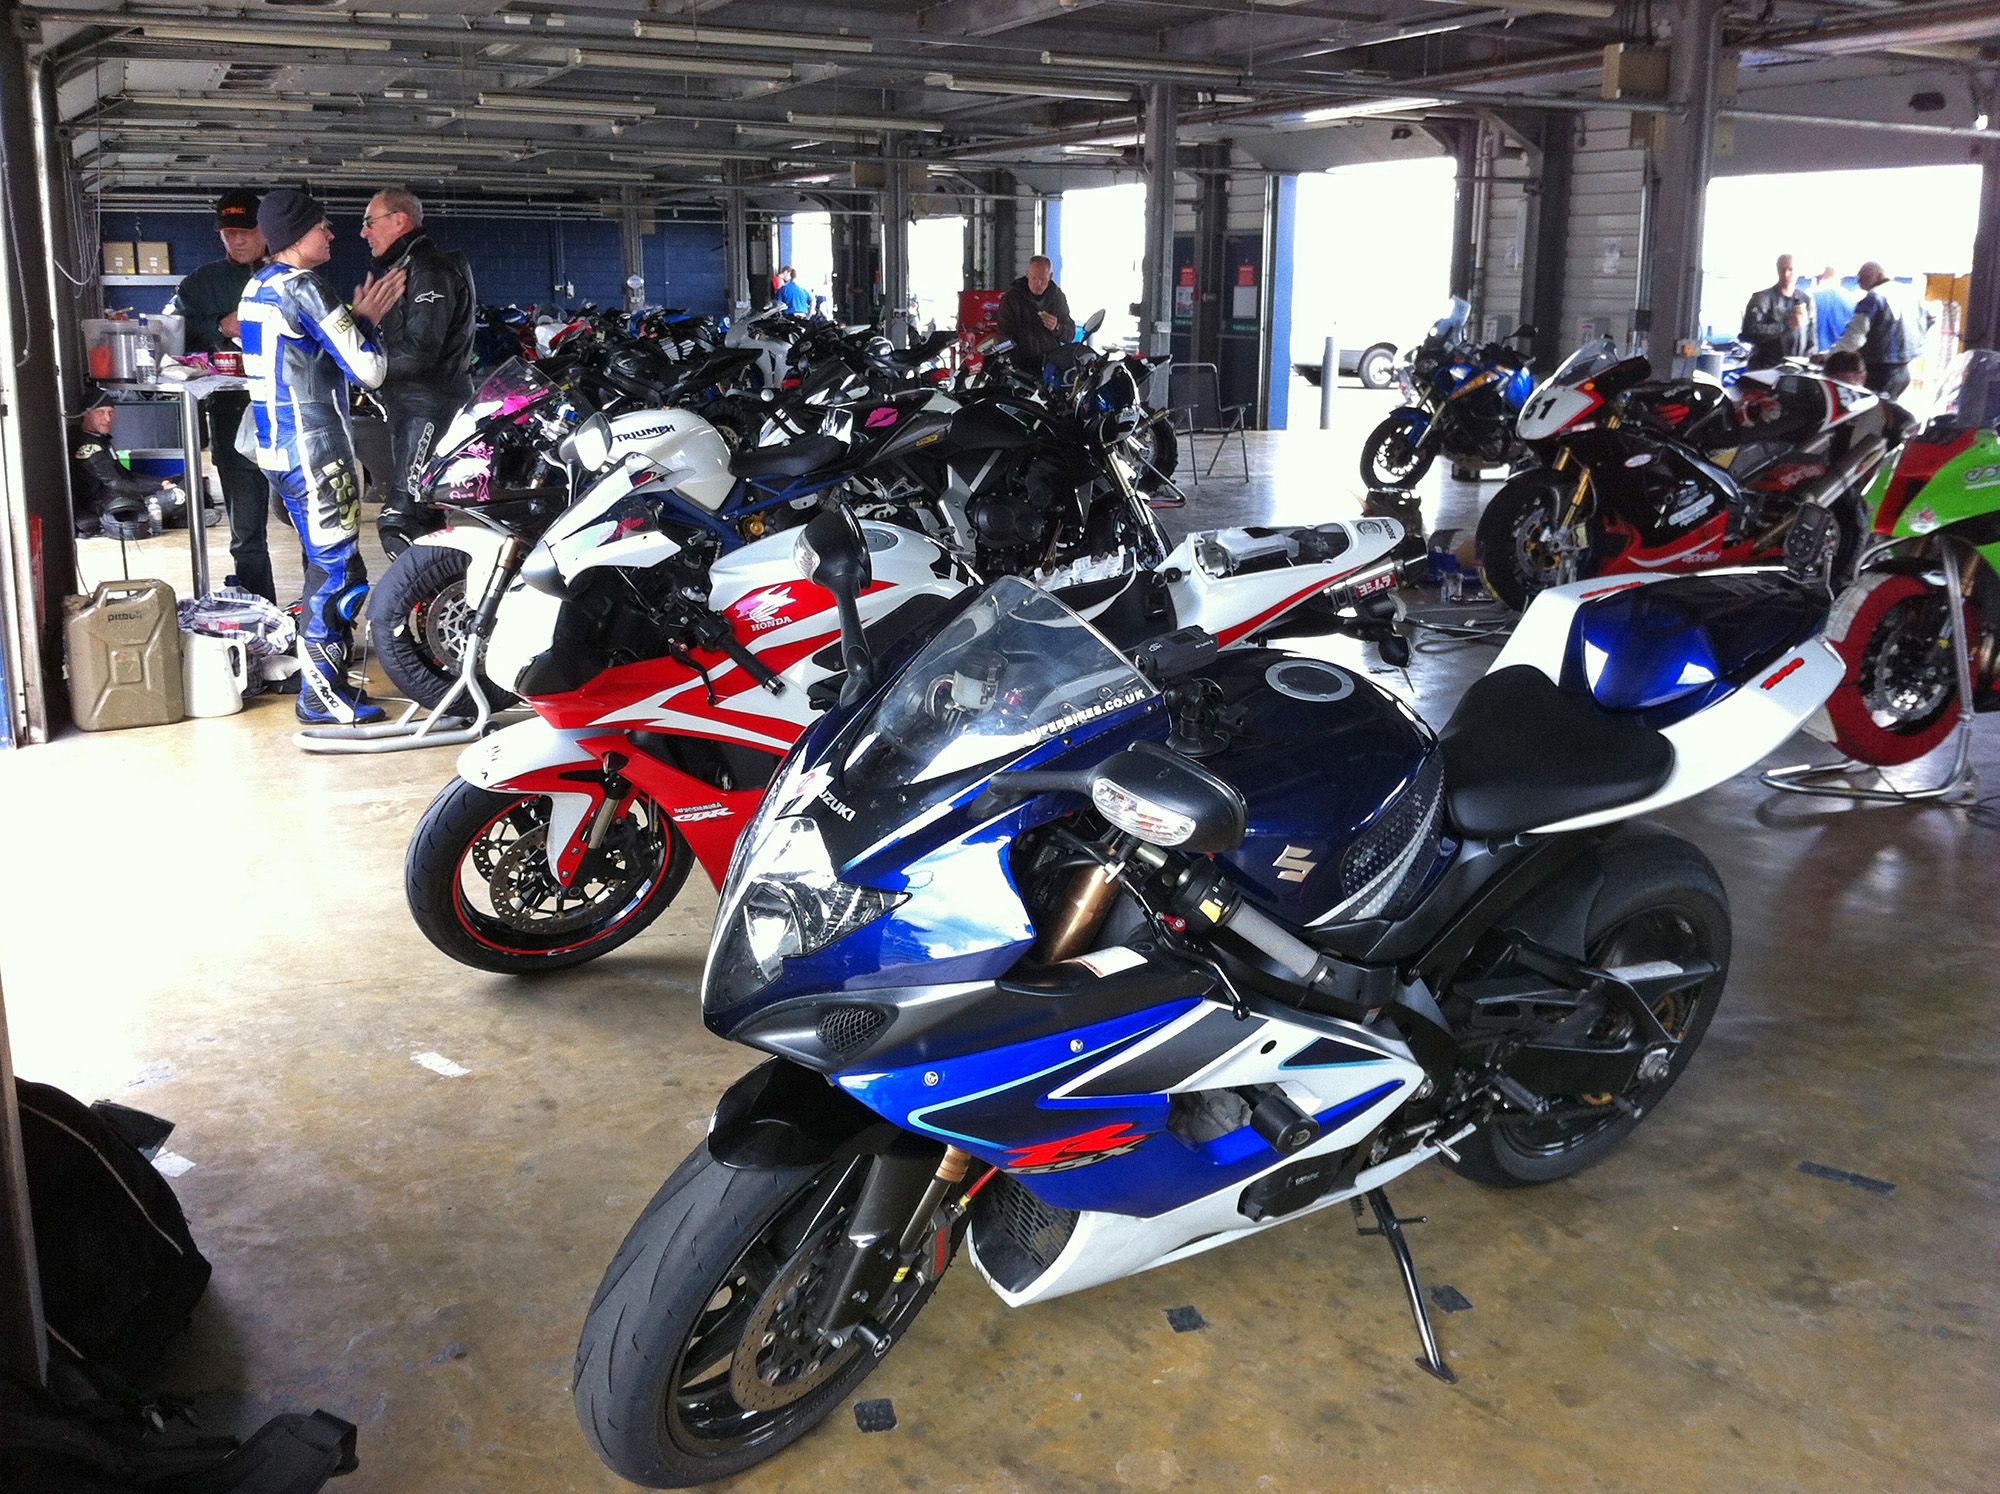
(1414, 416)
(1111, 1153)
(1520, 384)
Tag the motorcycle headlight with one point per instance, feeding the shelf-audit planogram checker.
(787, 902)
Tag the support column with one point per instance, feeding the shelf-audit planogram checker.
(895, 202)
(67, 262)
(1543, 277)
(1694, 77)
(1982, 311)
(632, 245)
(1000, 268)
(1211, 225)
(37, 546)
(1156, 301)
(735, 241)
(1466, 201)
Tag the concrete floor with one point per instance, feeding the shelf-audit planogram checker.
(206, 923)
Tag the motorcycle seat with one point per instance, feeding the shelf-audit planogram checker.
(793, 459)
(1519, 752)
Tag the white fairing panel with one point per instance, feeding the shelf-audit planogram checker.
(1551, 409)
(690, 451)
(480, 545)
(1105, 1247)
(522, 631)
(1714, 744)
(1232, 603)
(589, 534)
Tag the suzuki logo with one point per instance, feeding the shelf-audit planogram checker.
(1295, 865)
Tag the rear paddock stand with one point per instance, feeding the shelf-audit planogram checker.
(441, 728)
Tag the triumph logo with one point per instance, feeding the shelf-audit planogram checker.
(1295, 865)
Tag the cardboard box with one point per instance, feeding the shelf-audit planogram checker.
(121, 258)
(155, 259)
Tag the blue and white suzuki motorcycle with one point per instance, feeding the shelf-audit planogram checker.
(1094, 960)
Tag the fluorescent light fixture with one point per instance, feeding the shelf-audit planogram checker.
(1365, 109)
(707, 67)
(664, 158)
(1008, 87)
(620, 178)
(796, 134)
(176, 101)
(263, 36)
(1108, 151)
(586, 108)
(444, 148)
(728, 36)
(865, 122)
(1154, 66)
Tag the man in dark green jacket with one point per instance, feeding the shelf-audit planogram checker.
(207, 299)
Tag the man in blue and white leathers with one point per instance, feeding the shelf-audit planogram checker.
(301, 344)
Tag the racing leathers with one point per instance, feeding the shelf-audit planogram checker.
(427, 337)
(301, 344)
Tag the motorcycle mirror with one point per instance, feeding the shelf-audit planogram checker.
(1092, 322)
(1526, 329)
(1165, 800)
(832, 552)
(592, 443)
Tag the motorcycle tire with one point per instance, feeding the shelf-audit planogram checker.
(1516, 543)
(1387, 460)
(1660, 899)
(1163, 459)
(1376, 368)
(656, 1377)
(479, 888)
(1898, 699)
(419, 622)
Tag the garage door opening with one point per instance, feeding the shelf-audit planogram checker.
(811, 254)
(1371, 266)
(1103, 257)
(937, 270)
(1917, 222)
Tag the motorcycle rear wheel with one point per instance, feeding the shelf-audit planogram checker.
(1388, 459)
(1898, 700)
(689, 1318)
(1659, 900)
(479, 887)
(419, 623)
(1521, 550)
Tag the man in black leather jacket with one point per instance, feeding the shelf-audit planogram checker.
(428, 339)
(1034, 315)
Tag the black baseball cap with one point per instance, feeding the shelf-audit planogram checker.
(237, 209)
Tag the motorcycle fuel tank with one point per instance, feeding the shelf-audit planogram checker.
(1342, 783)
(689, 450)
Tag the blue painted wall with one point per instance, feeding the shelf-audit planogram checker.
(512, 260)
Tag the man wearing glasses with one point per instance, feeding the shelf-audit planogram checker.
(300, 346)
(427, 337)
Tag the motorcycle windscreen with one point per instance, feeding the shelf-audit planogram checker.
(461, 465)
(1970, 398)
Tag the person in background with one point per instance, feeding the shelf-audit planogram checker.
(1034, 315)
(207, 299)
(1883, 330)
(1833, 304)
(791, 295)
(107, 496)
(1846, 368)
(1778, 322)
(427, 337)
(300, 347)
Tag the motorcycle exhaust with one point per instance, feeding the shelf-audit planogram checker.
(1858, 465)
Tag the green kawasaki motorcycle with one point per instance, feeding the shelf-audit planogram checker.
(1938, 506)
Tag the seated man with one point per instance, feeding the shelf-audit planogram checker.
(107, 496)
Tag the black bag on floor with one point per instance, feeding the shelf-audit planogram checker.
(81, 1441)
(120, 1273)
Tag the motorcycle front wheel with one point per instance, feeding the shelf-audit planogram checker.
(1391, 458)
(420, 624)
(1523, 549)
(695, 1362)
(479, 886)
(1659, 901)
(1898, 699)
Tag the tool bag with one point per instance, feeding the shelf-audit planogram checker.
(120, 1273)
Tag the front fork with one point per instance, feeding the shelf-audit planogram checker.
(1573, 510)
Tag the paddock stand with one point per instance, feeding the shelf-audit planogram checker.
(441, 728)
(1960, 783)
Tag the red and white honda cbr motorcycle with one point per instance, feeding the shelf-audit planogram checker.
(668, 681)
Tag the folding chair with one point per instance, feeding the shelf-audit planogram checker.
(1194, 395)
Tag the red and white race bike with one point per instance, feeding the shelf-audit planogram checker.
(668, 682)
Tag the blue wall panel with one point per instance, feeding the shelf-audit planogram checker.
(512, 260)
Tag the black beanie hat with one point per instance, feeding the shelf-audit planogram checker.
(237, 209)
(287, 215)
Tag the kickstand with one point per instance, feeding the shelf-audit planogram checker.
(1390, 1228)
